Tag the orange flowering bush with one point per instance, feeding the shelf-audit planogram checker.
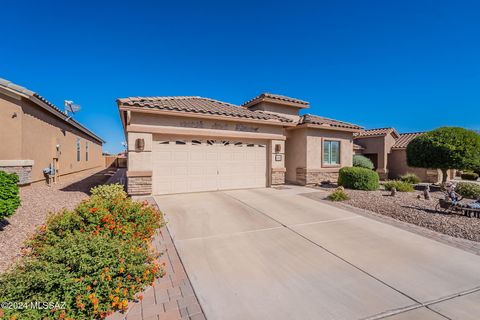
(95, 259)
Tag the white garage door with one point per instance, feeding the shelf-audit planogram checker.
(189, 165)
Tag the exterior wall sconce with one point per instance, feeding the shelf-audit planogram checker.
(139, 144)
(278, 148)
(58, 150)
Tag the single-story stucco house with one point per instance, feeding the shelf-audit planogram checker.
(35, 134)
(190, 144)
(388, 151)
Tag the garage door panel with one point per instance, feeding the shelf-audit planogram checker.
(194, 167)
(196, 171)
(163, 156)
(180, 156)
(197, 155)
(180, 172)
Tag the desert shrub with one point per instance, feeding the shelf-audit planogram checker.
(338, 195)
(94, 258)
(110, 191)
(468, 175)
(362, 162)
(468, 190)
(9, 194)
(476, 169)
(358, 178)
(401, 186)
(410, 178)
(445, 148)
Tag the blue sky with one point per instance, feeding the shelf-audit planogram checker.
(413, 65)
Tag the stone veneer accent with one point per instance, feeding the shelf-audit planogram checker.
(309, 176)
(139, 183)
(278, 176)
(23, 168)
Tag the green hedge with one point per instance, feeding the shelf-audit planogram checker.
(469, 176)
(9, 194)
(95, 259)
(358, 178)
(468, 190)
(401, 186)
(362, 162)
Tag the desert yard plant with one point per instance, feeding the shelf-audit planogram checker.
(468, 175)
(445, 148)
(110, 191)
(9, 194)
(94, 259)
(338, 195)
(410, 178)
(362, 162)
(400, 186)
(468, 190)
(358, 178)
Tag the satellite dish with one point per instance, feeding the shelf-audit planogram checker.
(71, 107)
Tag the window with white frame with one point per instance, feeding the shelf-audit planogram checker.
(78, 150)
(331, 152)
(86, 150)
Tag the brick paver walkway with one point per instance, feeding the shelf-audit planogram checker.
(172, 296)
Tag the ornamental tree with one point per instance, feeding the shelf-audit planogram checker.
(445, 148)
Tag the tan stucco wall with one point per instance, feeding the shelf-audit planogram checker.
(156, 120)
(304, 149)
(10, 128)
(374, 145)
(295, 153)
(33, 135)
(280, 109)
(141, 161)
(380, 145)
(315, 138)
(397, 166)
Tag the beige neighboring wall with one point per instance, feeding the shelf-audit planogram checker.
(28, 132)
(397, 166)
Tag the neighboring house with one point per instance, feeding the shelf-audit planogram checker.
(388, 151)
(35, 134)
(191, 144)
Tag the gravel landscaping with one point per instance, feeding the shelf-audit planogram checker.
(38, 201)
(406, 207)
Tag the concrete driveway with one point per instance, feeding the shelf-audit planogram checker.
(276, 254)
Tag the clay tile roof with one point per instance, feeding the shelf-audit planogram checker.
(405, 139)
(376, 132)
(195, 104)
(308, 118)
(264, 95)
(50, 107)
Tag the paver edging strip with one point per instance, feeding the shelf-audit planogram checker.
(133, 313)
